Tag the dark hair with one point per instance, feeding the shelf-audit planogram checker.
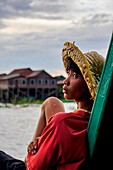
(72, 66)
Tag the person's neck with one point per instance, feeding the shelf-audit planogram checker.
(86, 105)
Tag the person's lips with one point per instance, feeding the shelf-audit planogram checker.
(65, 90)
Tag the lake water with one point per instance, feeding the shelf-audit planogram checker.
(17, 125)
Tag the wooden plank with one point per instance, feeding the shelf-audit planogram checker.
(100, 127)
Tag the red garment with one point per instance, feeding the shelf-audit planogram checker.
(62, 145)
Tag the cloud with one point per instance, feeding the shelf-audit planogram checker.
(32, 33)
(32, 8)
(12, 8)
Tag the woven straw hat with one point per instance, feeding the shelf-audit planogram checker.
(90, 65)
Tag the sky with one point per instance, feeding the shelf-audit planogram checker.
(33, 32)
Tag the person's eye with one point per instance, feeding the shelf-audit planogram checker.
(68, 73)
(75, 75)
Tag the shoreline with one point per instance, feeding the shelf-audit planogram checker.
(9, 105)
(27, 104)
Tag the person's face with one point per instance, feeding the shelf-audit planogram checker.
(74, 86)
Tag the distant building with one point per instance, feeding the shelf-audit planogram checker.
(27, 83)
(60, 80)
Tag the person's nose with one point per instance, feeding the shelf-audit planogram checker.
(66, 81)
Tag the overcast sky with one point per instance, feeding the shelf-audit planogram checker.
(32, 32)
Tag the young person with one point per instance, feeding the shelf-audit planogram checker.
(60, 140)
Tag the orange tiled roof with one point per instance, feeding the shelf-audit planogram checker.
(22, 71)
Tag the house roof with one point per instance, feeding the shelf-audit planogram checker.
(60, 79)
(22, 71)
(37, 72)
(27, 73)
(2, 75)
(34, 73)
(9, 76)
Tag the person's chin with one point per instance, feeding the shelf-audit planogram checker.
(67, 97)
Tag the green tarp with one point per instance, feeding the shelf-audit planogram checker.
(100, 127)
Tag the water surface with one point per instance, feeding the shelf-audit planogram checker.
(17, 125)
